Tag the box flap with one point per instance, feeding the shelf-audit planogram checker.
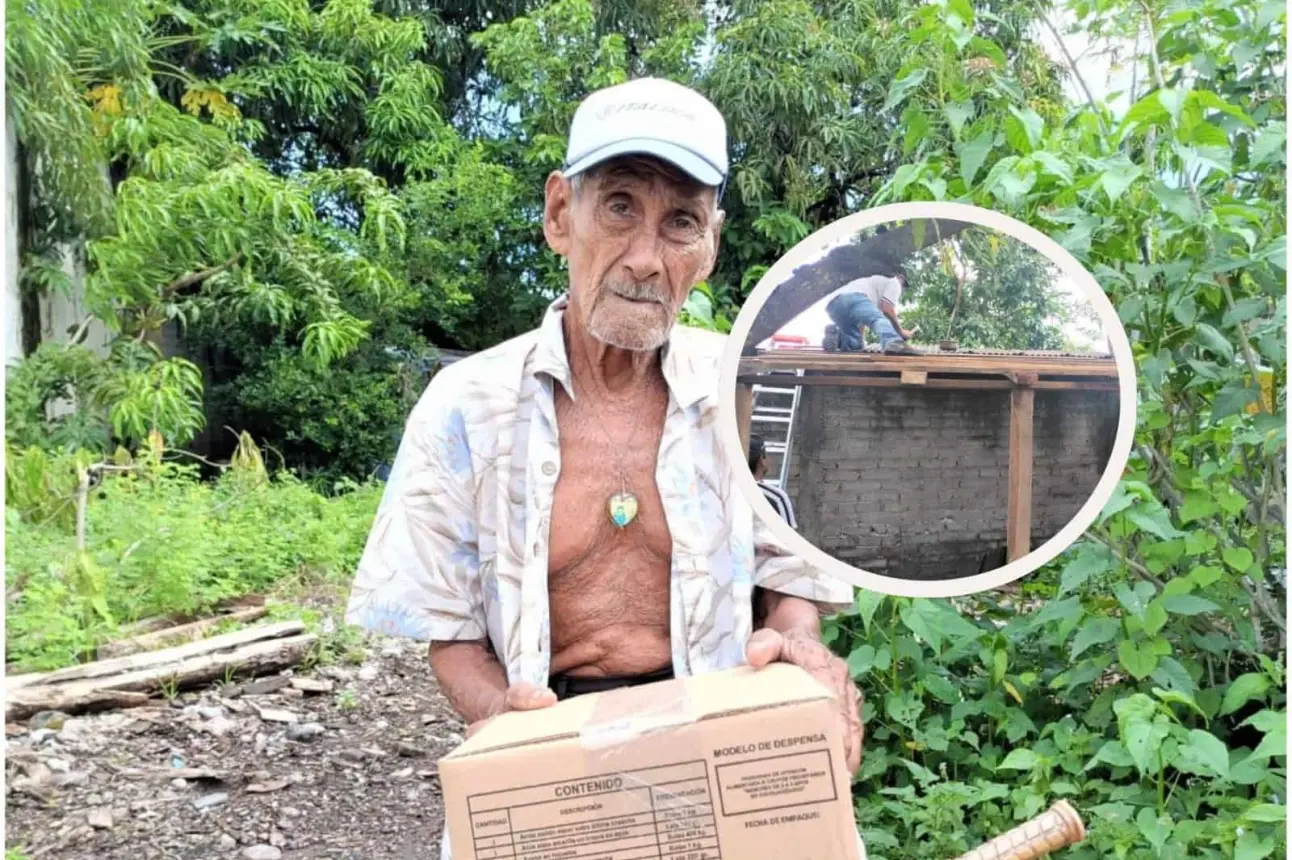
(633, 710)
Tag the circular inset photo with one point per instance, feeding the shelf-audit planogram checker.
(932, 399)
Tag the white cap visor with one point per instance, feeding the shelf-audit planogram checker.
(683, 158)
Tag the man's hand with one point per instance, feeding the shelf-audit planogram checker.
(519, 697)
(770, 646)
(908, 333)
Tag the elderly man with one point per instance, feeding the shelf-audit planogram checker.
(560, 518)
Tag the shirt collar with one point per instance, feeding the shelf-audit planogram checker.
(550, 357)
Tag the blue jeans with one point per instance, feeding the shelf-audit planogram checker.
(850, 312)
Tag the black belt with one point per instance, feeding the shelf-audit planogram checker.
(567, 686)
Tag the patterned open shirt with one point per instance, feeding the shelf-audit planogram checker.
(459, 548)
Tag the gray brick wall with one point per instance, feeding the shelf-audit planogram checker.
(914, 482)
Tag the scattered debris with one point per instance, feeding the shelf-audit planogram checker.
(277, 715)
(215, 798)
(168, 636)
(304, 731)
(207, 776)
(267, 787)
(311, 685)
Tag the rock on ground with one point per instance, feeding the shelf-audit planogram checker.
(145, 784)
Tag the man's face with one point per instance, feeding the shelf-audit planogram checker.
(638, 234)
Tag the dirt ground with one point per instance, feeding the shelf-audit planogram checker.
(336, 763)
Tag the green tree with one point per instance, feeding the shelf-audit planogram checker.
(987, 290)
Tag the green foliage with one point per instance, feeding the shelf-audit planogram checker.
(302, 185)
(1147, 682)
(979, 716)
(1008, 299)
(160, 542)
(328, 424)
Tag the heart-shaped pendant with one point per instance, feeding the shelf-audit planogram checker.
(623, 507)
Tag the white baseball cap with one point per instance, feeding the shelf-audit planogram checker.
(650, 116)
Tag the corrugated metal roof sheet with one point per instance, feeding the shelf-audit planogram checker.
(933, 350)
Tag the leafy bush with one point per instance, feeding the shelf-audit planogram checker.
(327, 425)
(979, 716)
(161, 542)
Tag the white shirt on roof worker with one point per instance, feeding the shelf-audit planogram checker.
(877, 288)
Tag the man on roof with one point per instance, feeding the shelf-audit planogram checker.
(869, 303)
(560, 518)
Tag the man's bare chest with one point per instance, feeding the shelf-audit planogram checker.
(604, 458)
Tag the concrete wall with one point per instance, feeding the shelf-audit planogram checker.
(12, 303)
(60, 314)
(913, 482)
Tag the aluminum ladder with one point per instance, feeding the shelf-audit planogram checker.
(774, 408)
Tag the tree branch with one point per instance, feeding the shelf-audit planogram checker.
(1072, 66)
(193, 279)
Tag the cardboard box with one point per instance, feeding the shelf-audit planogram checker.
(733, 765)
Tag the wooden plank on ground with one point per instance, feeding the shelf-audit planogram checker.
(134, 662)
(189, 632)
(131, 688)
(1018, 523)
(914, 377)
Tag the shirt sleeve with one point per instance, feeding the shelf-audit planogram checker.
(777, 569)
(890, 290)
(419, 574)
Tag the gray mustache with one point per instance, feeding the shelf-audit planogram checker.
(637, 292)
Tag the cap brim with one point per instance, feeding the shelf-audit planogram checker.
(695, 166)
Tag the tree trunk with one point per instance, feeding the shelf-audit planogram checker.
(881, 254)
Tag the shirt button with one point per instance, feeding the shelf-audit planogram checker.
(549, 468)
